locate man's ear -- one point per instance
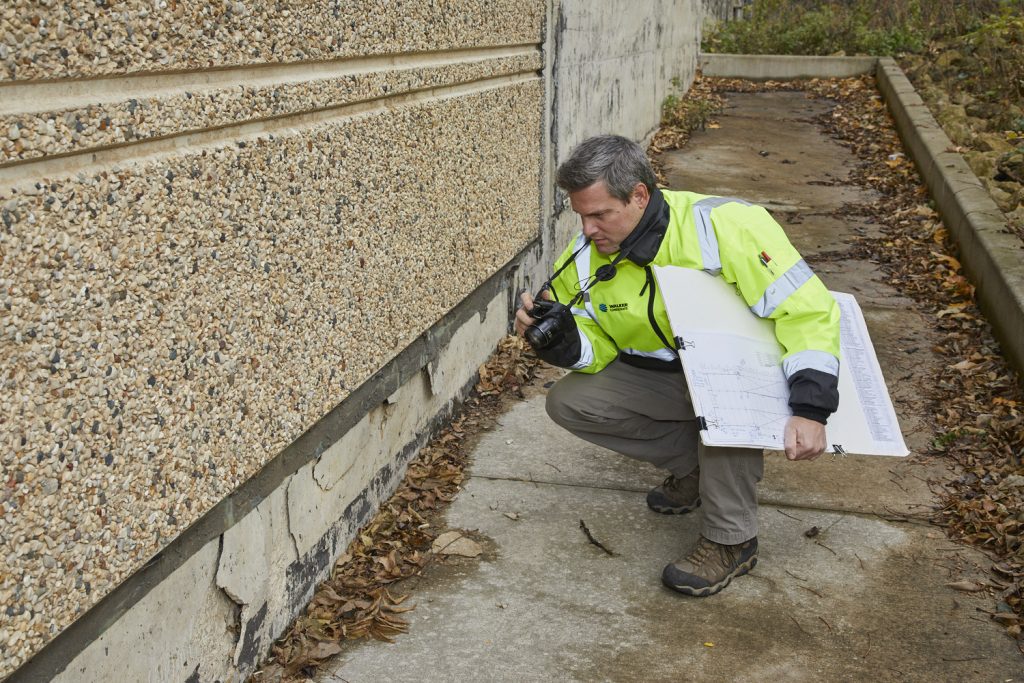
(641, 195)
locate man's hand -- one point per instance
(804, 439)
(523, 319)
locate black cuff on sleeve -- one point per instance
(810, 413)
(813, 394)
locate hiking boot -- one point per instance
(710, 567)
(676, 495)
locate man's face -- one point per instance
(607, 221)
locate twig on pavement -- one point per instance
(593, 540)
(826, 548)
(811, 590)
(798, 624)
(798, 578)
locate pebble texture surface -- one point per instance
(169, 324)
(37, 134)
(46, 39)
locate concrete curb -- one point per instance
(783, 67)
(992, 258)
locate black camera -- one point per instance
(550, 325)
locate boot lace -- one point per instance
(674, 483)
(701, 553)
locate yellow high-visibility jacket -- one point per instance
(625, 317)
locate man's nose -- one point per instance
(589, 227)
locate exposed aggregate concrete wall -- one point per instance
(172, 326)
(219, 221)
(32, 134)
(174, 319)
(86, 38)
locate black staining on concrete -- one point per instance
(251, 651)
(62, 650)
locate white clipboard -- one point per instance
(733, 367)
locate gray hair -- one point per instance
(618, 161)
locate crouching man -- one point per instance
(604, 319)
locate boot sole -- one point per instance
(669, 510)
(714, 588)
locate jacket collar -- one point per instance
(642, 245)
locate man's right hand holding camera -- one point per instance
(550, 328)
(523, 318)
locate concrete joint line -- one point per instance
(23, 174)
(887, 516)
(38, 96)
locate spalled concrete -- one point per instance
(864, 597)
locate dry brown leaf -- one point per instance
(966, 586)
(324, 649)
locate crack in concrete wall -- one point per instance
(288, 516)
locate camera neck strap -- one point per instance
(602, 274)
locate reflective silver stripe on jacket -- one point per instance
(586, 352)
(660, 354)
(583, 273)
(811, 360)
(706, 232)
(779, 291)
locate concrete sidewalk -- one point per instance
(864, 599)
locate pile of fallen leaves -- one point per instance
(360, 599)
(977, 399)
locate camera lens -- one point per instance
(542, 334)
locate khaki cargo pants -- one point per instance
(647, 415)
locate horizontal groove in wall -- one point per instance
(23, 174)
(22, 98)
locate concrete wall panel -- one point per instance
(467, 349)
(172, 325)
(218, 225)
(51, 40)
(169, 634)
(252, 571)
(615, 63)
(53, 118)
(318, 498)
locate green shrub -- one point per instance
(998, 45)
(877, 27)
(688, 114)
